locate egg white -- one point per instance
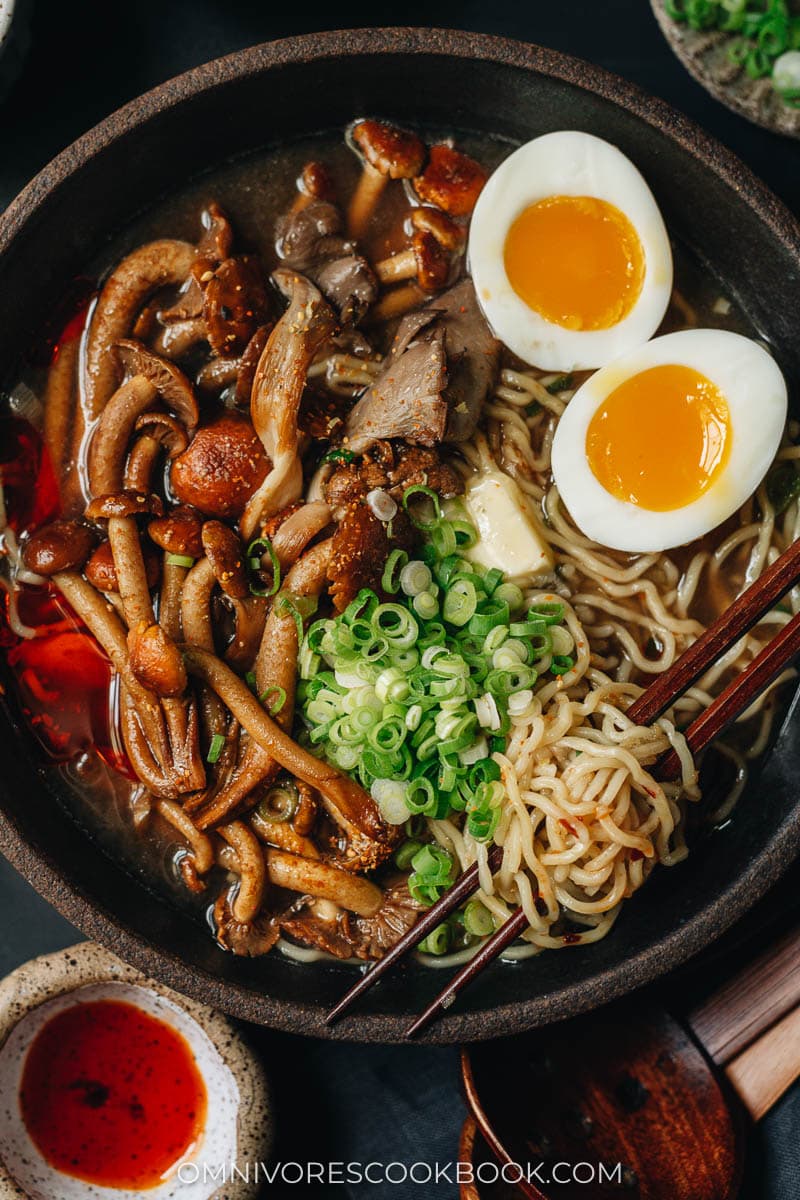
(754, 388)
(566, 163)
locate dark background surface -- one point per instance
(78, 61)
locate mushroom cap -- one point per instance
(235, 304)
(127, 503)
(169, 381)
(315, 181)
(433, 261)
(60, 546)
(156, 661)
(179, 532)
(389, 150)
(225, 553)
(451, 181)
(434, 221)
(102, 574)
(165, 429)
(223, 465)
(217, 239)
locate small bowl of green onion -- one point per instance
(746, 53)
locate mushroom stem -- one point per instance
(371, 186)
(151, 267)
(315, 878)
(173, 578)
(251, 867)
(281, 835)
(109, 443)
(396, 303)
(196, 605)
(131, 575)
(62, 419)
(179, 337)
(344, 793)
(399, 266)
(201, 846)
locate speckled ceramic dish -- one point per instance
(238, 1123)
(705, 56)
(463, 82)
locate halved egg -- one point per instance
(569, 254)
(666, 442)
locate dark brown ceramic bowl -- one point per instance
(460, 81)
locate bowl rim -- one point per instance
(52, 881)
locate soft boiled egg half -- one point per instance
(569, 254)
(669, 440)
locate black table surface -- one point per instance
(76, 63)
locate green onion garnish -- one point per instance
(437, 942)
(215, 749)
(255, 554)
(180, 560)
(477, 919)
(339, 455)
(419, 489)
(277, 704)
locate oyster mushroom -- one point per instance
(387, 153)
(451, 181)
(159, 264)
(277, 390)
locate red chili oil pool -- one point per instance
(112, 1095)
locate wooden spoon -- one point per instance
(662, 1106)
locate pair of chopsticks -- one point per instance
(745, 611)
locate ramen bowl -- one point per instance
(712, 205)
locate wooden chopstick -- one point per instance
(464, 886)
(731, 703)
(743, 613)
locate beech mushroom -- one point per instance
(146, 270)
(169, 381)
(430, 255)
(225, 553)
(234, 304)
(157, 431)
(60, 546)
(451, 181)
(222, 468)
(314, 183)
(102, 574)
(179, 532)
(388, 153)
(156, 661)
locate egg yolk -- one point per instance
(576, 260)
(661, 438)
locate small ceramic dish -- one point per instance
(705, 56)
(236, 1126)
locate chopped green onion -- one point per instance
(180, 560)
(419, 489)
(477, 919)
(338, 456)
(437, 942)
(255, 554)
(561, 383)
(393, 571)
(277, 704)
(405, 853)
(279, 805)
(215, 749)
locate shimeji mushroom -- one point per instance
(451, 181)
(429, 258)
(387, 153)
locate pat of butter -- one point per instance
(507, 537)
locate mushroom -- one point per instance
(312, 242)
(60, 546)
(312, 877)
(146, 270)
(179, 337)
(168, 380)
(225, 553)
(124, 504)
(234, 304)
(179, 532)
(397, 303)
(120, 509)
(314, 183)
(451, 181)
(222, 467)
(251, 870)
(429, 258)
(275, 667)
(156, 661)
(102, 574)
(277, 391)
(157, 431)
(388, 153)
(300, 527)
